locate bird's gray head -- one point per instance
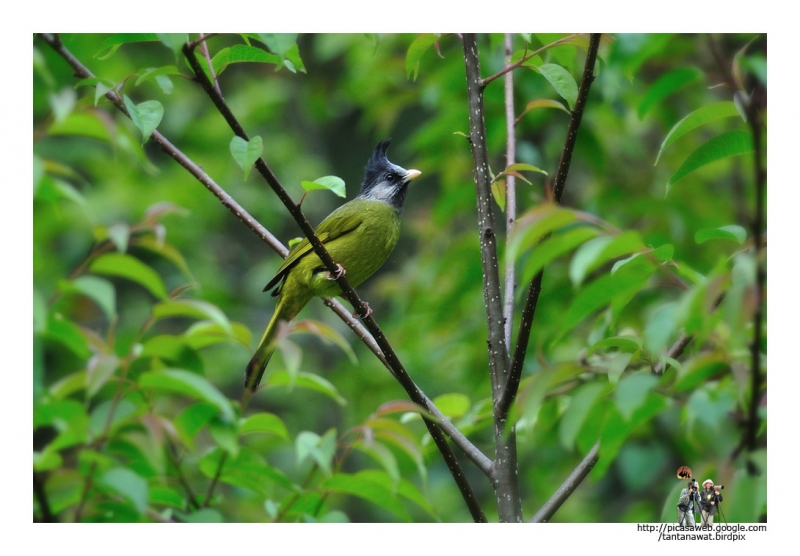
(384, 181)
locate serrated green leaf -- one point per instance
(725, 145)
(383, 456)
(191, 421)
(699, 369)
(699, 117)
(126, 266)
(320, 449)
(734, 232)
(562, 81)
(225, 435)
(246, 153)
(418, 47)
(599, 251)
(188, 384)
(332, 183)
(205, 333)
(665, 86)
(542, 103)
(145, 115)
(174, 41)
(165, 496)
(535, 224)
(67, 334)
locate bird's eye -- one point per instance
(390, 177)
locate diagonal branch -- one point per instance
(568, 486)
(535, 287)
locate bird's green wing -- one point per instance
(334, 226)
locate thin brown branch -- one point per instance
(535, 287)
(213, 484)
(568, 486)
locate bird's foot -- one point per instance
(340, 271)
(363, 312)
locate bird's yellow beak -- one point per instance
(412, 174)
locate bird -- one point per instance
(359, 235)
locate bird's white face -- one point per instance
(392, 181)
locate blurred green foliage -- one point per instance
(147, 291)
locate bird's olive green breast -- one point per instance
(361, 251)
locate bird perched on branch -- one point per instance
(360, 235)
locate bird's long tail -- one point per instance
(266, 347)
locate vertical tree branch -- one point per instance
(535, 287)
(505, 479)
(511, 194)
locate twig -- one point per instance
(535, 287)
(210, 65)
(515, 65)
(511, 195)
(215, 480)
(568, 486)
(505, 479)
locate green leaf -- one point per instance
(173, 41)
(666, 85)
(165, 496)
(415, 51)
(225, 435)
(188, 384)
(205, 333)
(631, 343)
(332, 183)
(62, 103)
(193, 308)
(617, 366)
(282, 44)
(126, 266)
(128, 484)
(452, 405)
(562, 81)
(499, 193)
(111, 44)
(598, 251)
(383, 456)
(370, 490)
(240, 53)
(580, 405)
(699, 369)
(554, 247)
(67, 334)
(542, 103)
(725, 145)
(82, 124)
(191, 421)
(628, 280)
(146, 115)
(535, 224)
(699, 117)
(326, 333)
(632, 391)
(95, 288)
(734, 232)
(99, 369)
(264, 422)
(306, 380)
(246, 153)
(320, 449)
(167, 251)
(152, 73)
